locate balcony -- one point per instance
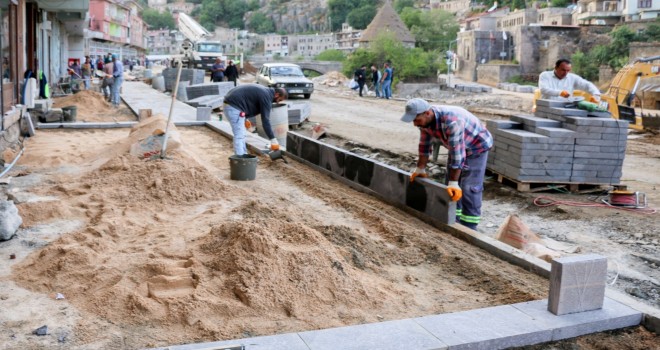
(600, 13)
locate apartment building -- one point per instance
(313, 44)
(115, 27)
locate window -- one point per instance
(644, 4)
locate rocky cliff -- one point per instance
(295, 16)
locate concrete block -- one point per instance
(612, 315)
(521, 136)
(181, 91)
(600, 142)
(599, 114)
(535, 121)
(204, 113)
(539, 152)
(525, 89)
(494, 124)
(577, 283)
(550, 103)
(598, 161)
(403, 334)
(554, 132)
(496, 327)
(567, 111)
(289, 341)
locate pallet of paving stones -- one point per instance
(525, 186)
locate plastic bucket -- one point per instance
(243, 168)
(279, 121)
(69, 113)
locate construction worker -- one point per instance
(560, 83)
(468, 143)
(248, 100)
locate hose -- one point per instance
(544, 201)
(12, 163)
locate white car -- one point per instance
(285, 75)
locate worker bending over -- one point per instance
(468, 143)
(248, 100)
(561, 83)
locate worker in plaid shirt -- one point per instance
(468, 143)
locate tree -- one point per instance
(410, 16)
(338, 10)
(584, 66)
(261, 24)
(360, 18)
(158, 20)
(560, 3)
(434, 29)
(331, 55)
(399, 5)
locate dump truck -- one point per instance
(197, 51)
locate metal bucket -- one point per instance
(69, 113)
(243, 168)
(279, 121)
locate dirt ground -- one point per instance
(120, 253)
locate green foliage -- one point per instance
(360, 18)
(408, 63)
(433, 30)
(253, 5)
(583, 66)
(518, 4)
(560, 3)
(158, 20)
(261, 24)
(338, 10)
(652, 32)
(410, 16)
(522, 80)
(399, 5)
(331, 55)
(228, 12)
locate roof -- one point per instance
(387, 20)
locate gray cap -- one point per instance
(414, 107)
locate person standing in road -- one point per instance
(108, 80)
(560, 82)
(248, 100)
(386, 81)
(231, 72)
(361, 77)
(468, 143)
(118, 75)
(375, 79)
(86, 71)
(217, 71)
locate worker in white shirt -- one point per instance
(560, 83)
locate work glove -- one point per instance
(454, 191)
(421, 172)
(594, 99)
(274, 145)
(564, 94)
(248, 125)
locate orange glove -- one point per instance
(274, 145)
(248, 125)
(564, 94)
(594, 99)
(454, 191)
(421, 172)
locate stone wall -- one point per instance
(492, 74)
(644, 50)
(10, 131)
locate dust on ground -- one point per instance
(170, 251)
(91, 106)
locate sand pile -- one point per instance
(331, 79)
(88, 102)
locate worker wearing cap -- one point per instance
(560, 83)
(248, 100)
(468, 143)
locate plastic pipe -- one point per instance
(12, 163)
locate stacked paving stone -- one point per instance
(516, 87)
(194, 76)
(559, 145)
(298, 112)
(473, 88)
(209, 94)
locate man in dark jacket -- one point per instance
(247, 101)
(231, 72)
(361, 77)
(217, 71)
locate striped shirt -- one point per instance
(459, 131)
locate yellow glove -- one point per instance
(421, 172)
(454, 191)
(594, 99)
(274, 145)
(564, 94)
(248, 125)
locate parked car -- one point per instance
(285, 75)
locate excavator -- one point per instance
(623, 95)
